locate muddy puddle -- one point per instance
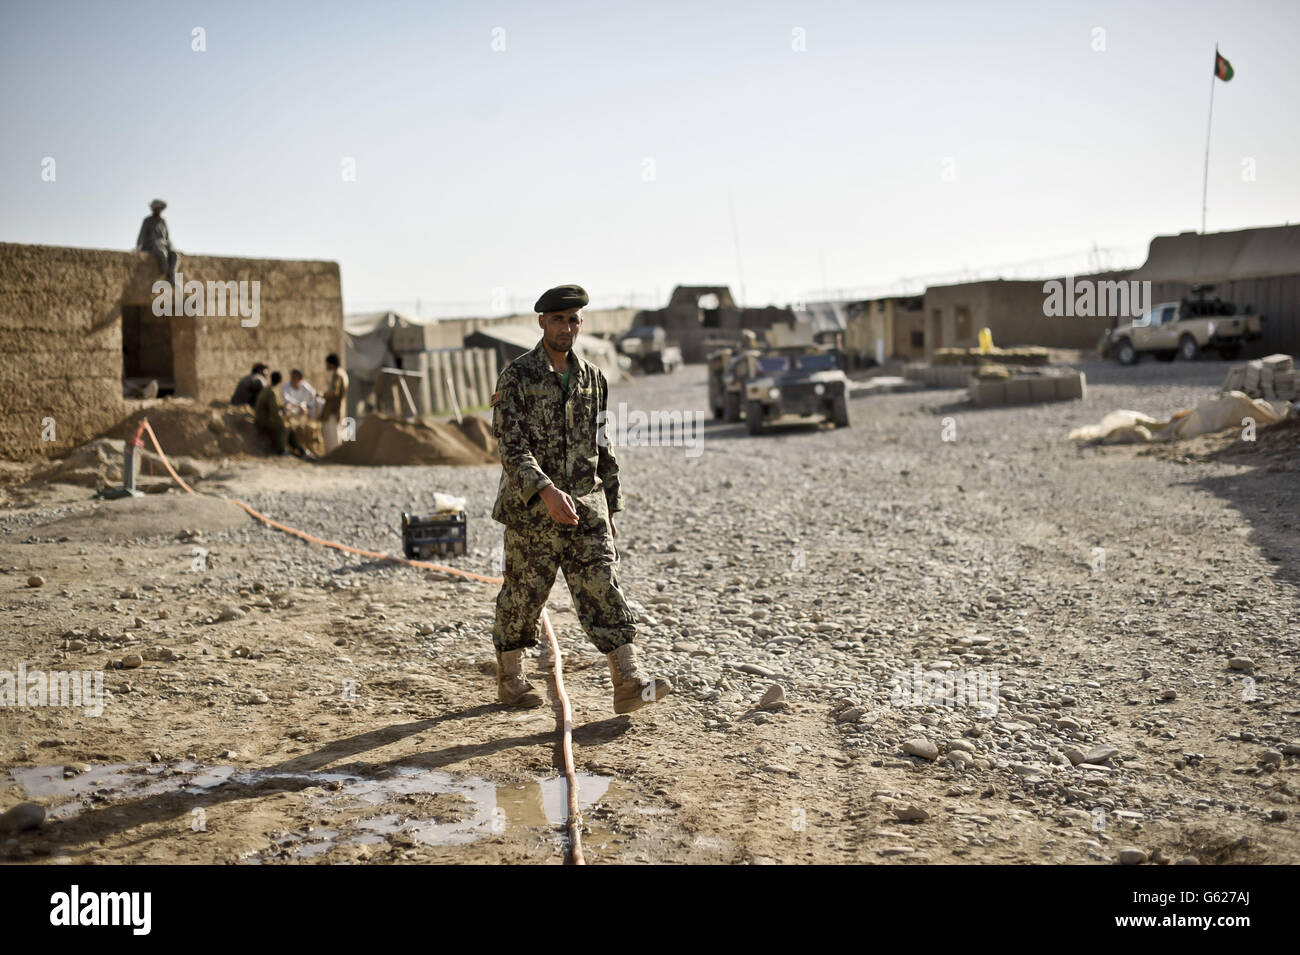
(408, 805)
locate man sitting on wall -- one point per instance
(249, 386)
(268, 412)
(154, 239)
(299, 397)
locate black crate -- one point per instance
(438, 534)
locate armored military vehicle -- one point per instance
(799, 381)
(649, 350)
(729, 369)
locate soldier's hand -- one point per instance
(559, 505)
(613, 531)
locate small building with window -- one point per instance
(79, 332)
(699, 318)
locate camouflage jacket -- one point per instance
(547, 437)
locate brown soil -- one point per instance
(384, 440)
(1276, 447)
(479, 431)
(186, 428)
(192, 435)
(279, 680)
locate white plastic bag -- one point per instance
(447, 503)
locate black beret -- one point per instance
(562, 298)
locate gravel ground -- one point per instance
(1125, 626)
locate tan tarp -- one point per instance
(524, 338)
(1216, 414)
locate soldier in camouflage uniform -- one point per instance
(558, 494)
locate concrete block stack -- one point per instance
(938, 376)
(1270, 378)
(1028, 389)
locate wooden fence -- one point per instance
(470, 372)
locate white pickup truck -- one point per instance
(1183, 330)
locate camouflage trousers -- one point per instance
(534, 551)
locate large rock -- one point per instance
(922, 747)
(1099, 754)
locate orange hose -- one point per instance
(375, 555)
(566, 712)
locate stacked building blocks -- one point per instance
(1028, 389)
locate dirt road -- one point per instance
(994, 647)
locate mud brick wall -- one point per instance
(60, 345)
(61, 335)
(1012, 311)
(300, 322)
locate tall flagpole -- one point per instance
(1205, 182)
(735, 241)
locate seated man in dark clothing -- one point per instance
(155, 240)
(249, 386)
(268, 412)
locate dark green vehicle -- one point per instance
(799, 382)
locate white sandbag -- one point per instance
(1219, 414)
(1215, 414)
(1120, 427)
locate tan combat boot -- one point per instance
(512, 688)
(633, 688)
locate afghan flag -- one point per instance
(1222, 68)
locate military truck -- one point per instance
(649, 350)
(800, 381)
(729, 368)
(718, 362)
(1183, 330)
(727, 377)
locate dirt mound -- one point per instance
(479, 430)
(1276, 447)
(385, 440)
(219, 430)
(187, 428)
(99, 463)
(1277, 444)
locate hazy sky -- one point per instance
(602, 144)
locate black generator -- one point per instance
(438, 534)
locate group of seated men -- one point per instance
(277, 405)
